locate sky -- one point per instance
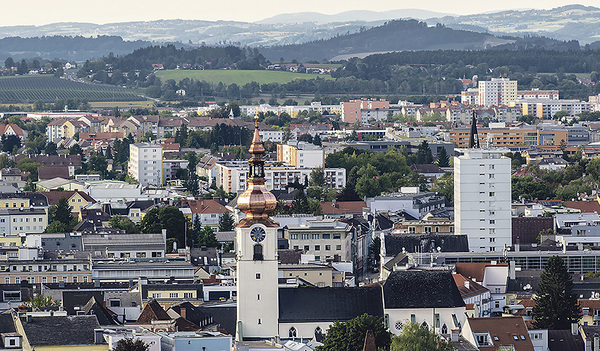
(109, 11)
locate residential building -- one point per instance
(410, 200)
(301, 155)
(14, 130)
(152, 268)
(59, 184)
(45, 271)
(325, 239)
(537, 94)
(76, 200)
(124, 246)
(145, 163)
(209, 212)
(482, 205)
(351, 110)
(547, 108)
(170, 168)
(510, 137)
(497, 91)
(72, 162)
(491, 275)
(498, 333)
(111, 191)
(475, 294)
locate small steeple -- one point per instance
(256, 202)
(474, 139)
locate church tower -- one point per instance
(256, 250)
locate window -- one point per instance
(437, 320)
(492, 240)
(304, 236)
(291, 333)
(259, 321)
(257, 275)
(412, 230)
(482, 340)
(326, 236)
(338, 247)
(317, 247)
(522, 337)
(156, 295)
(174, 295)
(306, 248)
(188, 295)
(258, 253)
(515, 337)
(315, 236)
(337, 236)
(294, 236)
(327, 247)
(492, 221)
(114, 303)
(413, 318)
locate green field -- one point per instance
(239, 77)
(29, 89)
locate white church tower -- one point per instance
(257, 262)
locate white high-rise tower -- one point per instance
(482, 199)
(256, 249)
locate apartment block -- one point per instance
(507, 137)
(351, 110)
(145, 163)
(301, 155)
(547, 108)
(498, 91)
(482, 199)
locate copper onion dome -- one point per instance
(256, 202)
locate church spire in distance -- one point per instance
(256, 202)
(474, 139)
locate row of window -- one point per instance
(173, 295)
(318, 247)
(137, 254)
(32, 280)
(45, 268)
(315, 236)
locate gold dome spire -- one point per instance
(256, 202)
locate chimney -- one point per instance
(467, 284)
(574, 328)
(183, 312)
(511, 270)
(454, 336)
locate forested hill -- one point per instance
(397, 35)
(65, 47)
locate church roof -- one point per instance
(421, 289)
(328, 304)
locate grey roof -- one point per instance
(99, 242)
(57, 331)
(225, 236)
(421, 289)
(104, 316)
(328, 304)
(425, 243)
(35, 199)
(564, 340)
(224, 316)
(75, 300)
(6, 324)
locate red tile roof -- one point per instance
(152, 312)
(55, 195)
(206, 206)
(474, 269)
(583, 206)
(14, 127)
(53, 172)
(503, 331)
(473, 289)
(342, 207)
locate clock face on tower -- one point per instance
(257, 234)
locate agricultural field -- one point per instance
(239, 77)
(29, 89)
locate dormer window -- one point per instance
(483, 339)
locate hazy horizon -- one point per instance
(40, 13)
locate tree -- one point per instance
(443, 160)
(10, 142)
(130, 344)
(39, 300)
(556, 305)
(317, 140)
(50, 148)
(226, 222)
(416, 338)
(123, 223)
(350, 335)
(445, 186)
(300, 203)
(151, 222)
(424, 155)
(317, 177)
(63, 212)
(9, 63)
(207, 237)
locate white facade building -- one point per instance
(482, 199)
(145, 163)
(498, 91)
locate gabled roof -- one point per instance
(583, 206)
(473, 289)
(427, 168)
(475, 269)
(564, 340)
(15, 128)
(104, 316)
(193, 314)
(152, 312)
(54, 196)
(421, 289)
(75, 300)
(342, 207)
(59, 331)
(206, 206)
(328, 304)
(503, 331)
(53, 172)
